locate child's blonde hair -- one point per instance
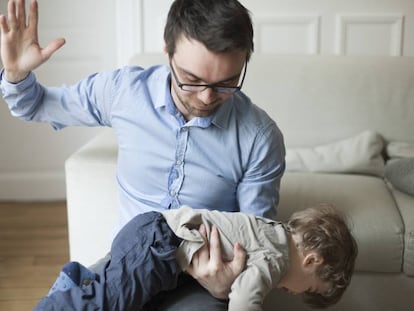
(324, 230)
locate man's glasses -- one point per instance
(216, 87)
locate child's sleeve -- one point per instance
(249, 289)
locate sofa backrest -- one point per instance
(321, 99)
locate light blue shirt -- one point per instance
(230, 161)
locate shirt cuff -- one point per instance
(11, 88)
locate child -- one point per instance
(313, 255)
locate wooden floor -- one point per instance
(33, 248)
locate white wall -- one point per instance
(32, 155)
(102, 34)
(366, 27)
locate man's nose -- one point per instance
(207, 96)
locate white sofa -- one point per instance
(340, 116)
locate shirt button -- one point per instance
(178, 162)
(172, 193)
(184, 129)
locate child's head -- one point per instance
(323, 231)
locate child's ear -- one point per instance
(312, 259)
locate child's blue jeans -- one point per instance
(142, 264)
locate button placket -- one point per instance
(175, 186)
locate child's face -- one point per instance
(302, 276)
(310, 284)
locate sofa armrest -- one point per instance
(92, 198)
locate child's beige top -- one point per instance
(264, 240)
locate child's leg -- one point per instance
(142, 264)
(76, 298)
(73, 274)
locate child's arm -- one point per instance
(249, 289)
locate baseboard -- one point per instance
(32, 186)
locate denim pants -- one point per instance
(142, 265)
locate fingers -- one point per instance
(204, 252)
(52, 47)
(34, 14)
(21, 13)
(4, 27)
(11, 12)
(201, 257)
(209, 269)
(203, 231)
(215, 247)
(239, 260)
(16, 10)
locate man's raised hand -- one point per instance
(20, 49)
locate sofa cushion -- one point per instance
(405, 205)
(400, 149)
(400, 173)
(357, 154)
(374, 218)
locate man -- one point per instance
(186, 133)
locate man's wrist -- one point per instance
(14, 77)
(220, 294)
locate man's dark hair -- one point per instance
(221, 25)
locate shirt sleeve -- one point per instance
(249, 290)
(258, 191)
(86, 103)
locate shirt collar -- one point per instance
(164, 99)
(222, 116)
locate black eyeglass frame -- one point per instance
(216, 87)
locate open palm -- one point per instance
(20, 49)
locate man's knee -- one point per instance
(190, 296)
